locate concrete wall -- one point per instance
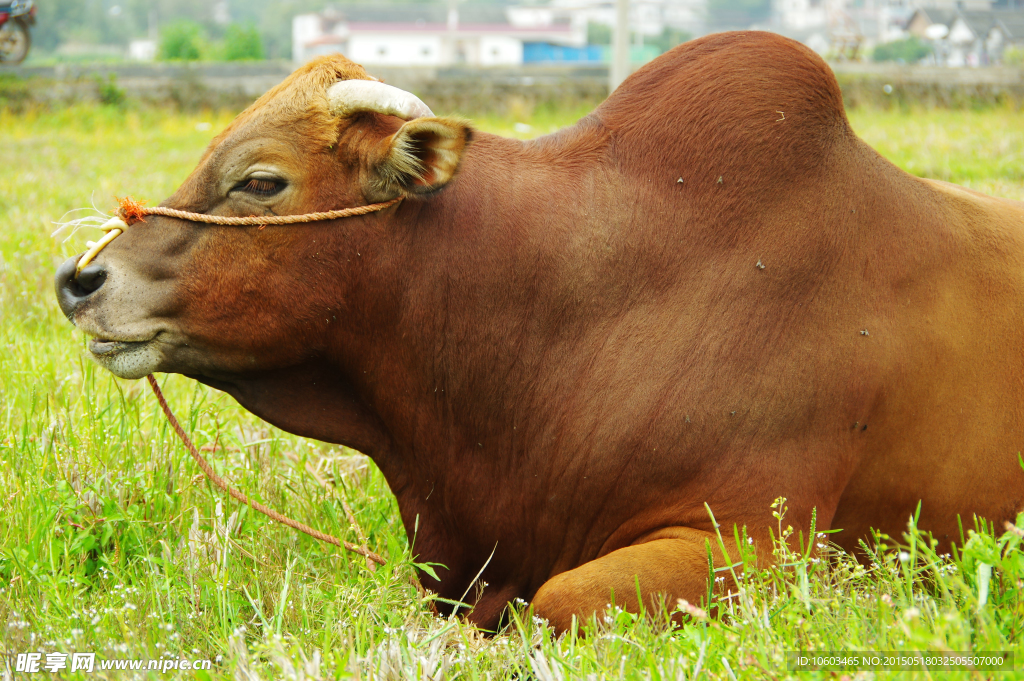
(448, 89)
(469, 90)
(889, 85)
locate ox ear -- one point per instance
(423, 155)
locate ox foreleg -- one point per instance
(665, 567)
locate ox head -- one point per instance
(219, 302)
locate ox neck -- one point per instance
(491, 284)
(497, 277)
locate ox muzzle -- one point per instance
(72, 291)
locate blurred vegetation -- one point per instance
(669, 38)
(599, 34)
(117, 22)
(15, 93)
(109, 92)
(182, 40)
(907, 51)
(242, 43)
(188, 41)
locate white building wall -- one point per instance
(498, 45)
(801, 14)
(530, 16)
(323, 48)
(383, 49)
(142, 50)
(960, 33)
(688, 15)
(305, 28)
(500, 51)
(648, 17)
(461, 49)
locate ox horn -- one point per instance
(349, 96)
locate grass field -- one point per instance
(111, 541)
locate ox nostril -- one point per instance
(91, 278)
(72, 291)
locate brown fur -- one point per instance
(563, 355)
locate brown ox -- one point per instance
(707, 291)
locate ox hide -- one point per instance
(708, 293)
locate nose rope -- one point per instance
(131, 211)
(224, 486)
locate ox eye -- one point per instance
(258, 186)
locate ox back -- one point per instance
(737, 300)
(708, 291)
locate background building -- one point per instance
(431, 35)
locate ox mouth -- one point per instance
(126, 359)
(103, 347)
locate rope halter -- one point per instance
(132, 211)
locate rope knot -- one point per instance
(130, 210)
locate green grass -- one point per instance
(983, 150)
(112, 542)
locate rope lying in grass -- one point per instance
(132, 211)
(269, 512)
